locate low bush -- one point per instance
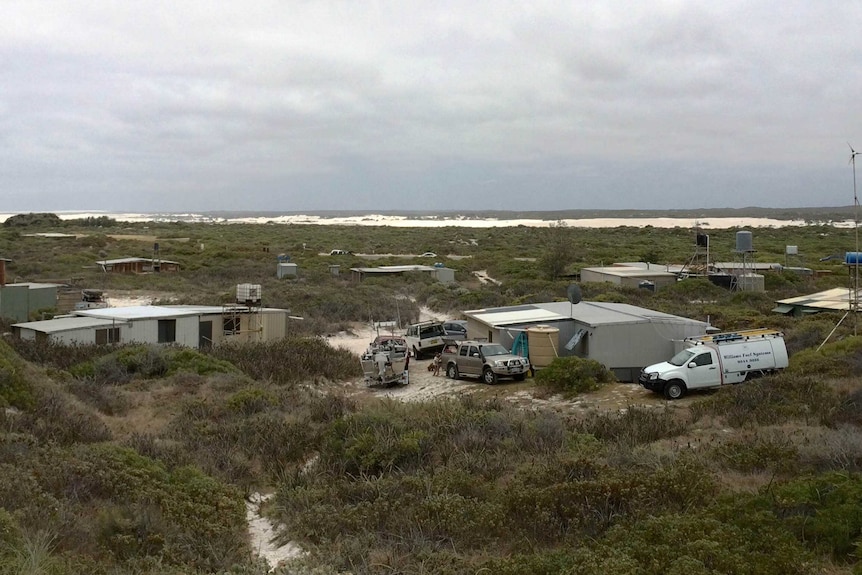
(634, 426)
(694, 544)
(770, 400)
(106, 399)
(49, 353)
(57, 419)
(15, 389)
(771, 452)
(574, 375)
(822, 511)
(291, 360)
(835, 359)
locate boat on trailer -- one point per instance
(386, 361)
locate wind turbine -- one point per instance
(852, 297)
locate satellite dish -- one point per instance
(574, 293)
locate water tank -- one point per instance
(285, 270)
(744, 242)
(853, 258)
(248, 294)
(751, 283)
(544, 344)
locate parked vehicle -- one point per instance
(455, 329)
(428, 255)
(425, 338)
(386, 361)
(714, 360)
(490, 361)
(339, 253)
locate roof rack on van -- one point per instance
(761, 332)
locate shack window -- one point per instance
(231, 325)
(107, 335)
(167, 330)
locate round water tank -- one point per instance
(853, 258)
(544, 344)
(744, 242)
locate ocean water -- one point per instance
(442, 220)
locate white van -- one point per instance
(718, 359)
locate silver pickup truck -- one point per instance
(490, 361)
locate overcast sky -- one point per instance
(443, 105)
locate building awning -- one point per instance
(576, 339)
(784, 308)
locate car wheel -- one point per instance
(674, 389)
(452, 371)
(489, 377)
(416, 353)
(520, 377)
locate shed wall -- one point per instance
(595, 276)
(42, 298)
(14, 303)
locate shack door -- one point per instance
(205, 338)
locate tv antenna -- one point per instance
(854, 302)
(853, 291)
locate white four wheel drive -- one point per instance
(714, 360)
(425, 338)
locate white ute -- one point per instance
(717, 359)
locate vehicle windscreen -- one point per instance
(492, 349)
(682, 357)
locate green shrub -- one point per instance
(759, 453)
(108, 400)
(770, 400)
(251, 400)
(291, 360)
(15, 390)
(824, 511)
(55, 418)
(836, 359)
(573, 375)
(694, 544)
(633, 426)
(185, 359)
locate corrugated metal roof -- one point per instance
(502, 316)
(590, 313)
(759, 266)
(61, 324)
(163, 311)
(629, 271)
(133, 260)
(34, 285)
(837, 299)
(148, 312)
(395, 269)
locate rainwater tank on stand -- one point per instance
(544, 345)
(744, 242)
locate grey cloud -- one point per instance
(306, 105)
